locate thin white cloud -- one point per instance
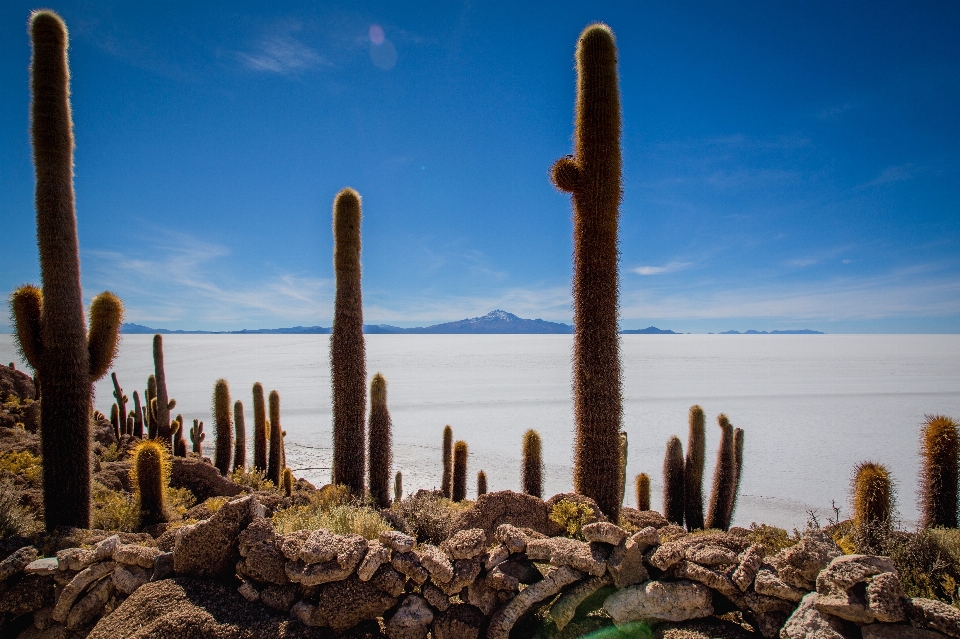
(890, 175)
(670, 267)
(282, 53)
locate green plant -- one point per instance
(446, 482)
(150, 474)
(197, 436)
(593, 176)
(277, 457)
(673, 483)
(110, 454)
(121, 399)
(23, 464)
(398, 486)
(213, 504)
(532, 476)
(150, 408)
(571, 516)
(240, 442)
(380, 442)
(643, 491)
(252, 477)
(163, 404)
(287, 482)
(724, 476)
(342, 519)
(873, 496)
(481, 484)
(772, 538)
(939, 473)
(137, 416)
(222, 426)
(49, 325)
(693, 469)
(428, 515)
(114, 509)
(459, 471)
(260, 434)
(348, 367)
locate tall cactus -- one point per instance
(737, 471)
(259, 429)
(149, 410)
(137, 416)
(277, 460)
(398, 486)
(287, 482)
(162, 416)
(872, 503)
(673, 482)
(197, 436)
(593, 176)
(50, 326)
(938, 486)
(446, 482)
(693, 469)
(347, 351)
(150, 475)
(643, 491)
(532, 474)
(121, 398)
(481, 484)
(240, 441)
(115, 422)
(724, 476)
(380, 442)
(179, 443)
(223, 427)
(459, 471)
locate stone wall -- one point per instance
(469, 586)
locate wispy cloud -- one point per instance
(891, 174)
(281, 52)
(669, 267)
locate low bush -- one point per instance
(24, 465)
(251, 477)
(428, 515)
(341, 519)
(15, 519)
(772, 538)
(571, 517)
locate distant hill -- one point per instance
(138, 329)
(650, 330)
(804, 331)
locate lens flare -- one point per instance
(376, 34)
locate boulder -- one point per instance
(77, 585)
(377, 555)
(808, 622)
(465, 544)
(262, 560)
(435, 596)
(641, 519)
(128, 578)
(389, 580)
(91, 606)
(397, 541)
(504, 619)
(625, 564)
(408, 564)
(603, 531)
(17, 561)
(436, 563)
(465, 572)
(323, 546)
(768, 583)
(211, 548)
(561, 551)
(746, 571)
(840, 590)
(135, 555)
(201, 478)
(934, 615)
(800, 564)
(513, 539)
(411, 620)
(707, 576)
(459, 621)
(279, 597)
(711, 555)
(291, 543)
(505, 507)
(659, 601)
(565, 607)
(21, 595)
(343, 604)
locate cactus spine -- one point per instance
(50, 324)
(259, 429)
(150, 473)
(724, 476)
(223, 427)
(121, 399)
(532, 476)
(737, 471)
(137, 416)
(115, 421)
(380, 442)
(240, 443)
(459, 471)
(162, 415)
(398, 486)
(197, 436)
(347, 351)
(643, 491)
(872, 502)
(446, 482)
(938, 486)
(481, 484)
(693, 469)
(673, 482)
(287, 482)
(593, 177)
(277, 458)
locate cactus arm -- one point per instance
(565, 174)
(106, 316)
(26, 309)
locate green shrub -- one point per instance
(253, 477)
(772, 538)
(14, 518)
(24, 464)
(114, 510)
(428, 515)
(341, 520)
(571, 517)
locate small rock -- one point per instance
(105, 548)
(343, 604)
(935, 615)
(389, 580)
(646, 538)
(397, 541)
(768, 583)
(279, 597)
(248, 592)
(565, 607)
(840, 591)
(465, 572)
(436, 563)
(504, 619)
(408, 564)
(706, 576)
(497, 556)
(459, 621)
(77, 585)
(499, 580)
(411, 620)
(90, 607)
(323, 546)
(711, 555)
(746, 572)
(625, 564)
(659, 601)
(481, 594)
(605, 532)
(466, 544)
(885, 598)
(512, 537)
(807, 622)
(75, 559)
(667, 555)
(17, 561)
(292, 543)
(45, 566)
(210, 548)
(561, 551)
(435, 596)
(262, 559)
(377, 555)
(800, 564)
(641, 519)
(128, 578)
(134, 555)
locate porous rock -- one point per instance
(75, 559)
(459, 621)
(377, 555)
(210, 548)
(136, 555)
(291, 543)
(768, 583)
(807, 622)
(641, 519)
(498, 555)
(45, 566)
(565, 607)
(88, 608)
(279, 597)
(436, 563)
(603, 531)
(389, 580)
(408, 564)
(898, 631)
(397, 541)
(800, 564)
(562, 551)
(481, 593)
(435, 596)
(201, 478)
(746, 572)
(625, 564)
(646, 537)
(711, 555)
(411, 620)
(504, 619)
(513, 538)
(323, 546)
(27, 594)
(935, 615)
(505, 507)
(17, 561)
(839, 593)
(77, 585)
(465, 544)
(667, 555)
(128, 578)
(262, 559)
(707, 576)
(659, 601)
(465, 572)
(343, 604)
(520, 568)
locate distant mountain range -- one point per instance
(804, 331)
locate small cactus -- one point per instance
(939, 474)
(150, 407)
(693, 470)
(276, 463)
(179, 443)
(197, 436)
(260, 429)
(115, 421)
(481, 483)
(532, 476)
(724, 476)
(673, 482)
(137, 416)
(287, 482)
(130, 423)
(223, 428)
(737, 471)
(459, 471)
(150, 474)
(643, 491)
(120, 397)
(446, 482)
(240, 442)
(380, 442)
(872, 502)
(398, 486)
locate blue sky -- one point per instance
(786, 164)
